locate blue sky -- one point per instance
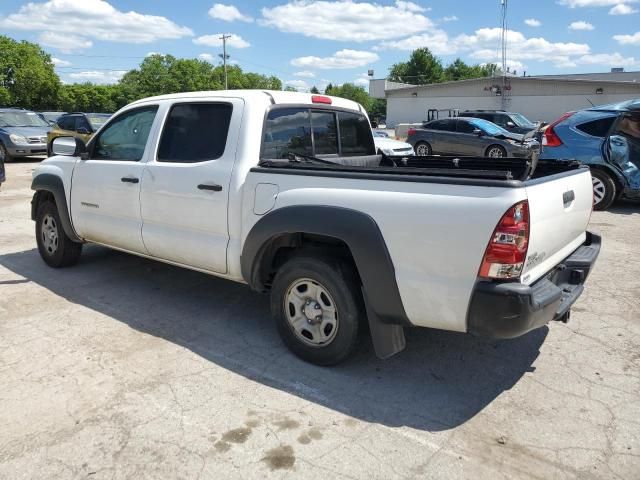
(307, 42)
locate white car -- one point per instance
(283, 191)
(391, 147)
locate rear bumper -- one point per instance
(508, 310)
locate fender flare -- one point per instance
(54, 185)
(357, 230)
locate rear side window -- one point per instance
(67, 123)
(355, 135)
(437, 125)
(597, 128)
(287, 130)
(195, 132)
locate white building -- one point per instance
(538, 98)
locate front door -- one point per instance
(186, 187)
(105, 197)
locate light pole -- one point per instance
(224, 58)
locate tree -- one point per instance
(378, 108)
(459, 70)
(27, 77)
(421, 69)
(289, 88)
(352, 92)
(314, 89)
(328, 89)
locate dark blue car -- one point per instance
(607, 138)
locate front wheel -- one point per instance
(56, 249)
(496, 151)
(317, 304)
(423, 149)
(604, 189)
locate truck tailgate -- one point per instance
(559, 209)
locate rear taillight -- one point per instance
(550, 138)
(507, 249)
(411, 131)
(320, 99)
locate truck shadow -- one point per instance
(440, 381)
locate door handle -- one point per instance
(130, 179)
(213, 187)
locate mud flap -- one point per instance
(388, 339)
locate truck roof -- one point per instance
(275, 96)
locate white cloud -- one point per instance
(593, 3)
(622, 9)
(228, 13)
(299, 84)
(436, 40)
(101, 77)
(90, 19)
(305, 73)
(214, 40)
(612, 59)
(533, 22)
(60, 63)
(347, 20)
(66, 43)
(451, 18)
(343, 59)
(580, 25)
(628, 39)
(207, 57)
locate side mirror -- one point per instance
(68, 146)
(478, 132)
(83, 131)
(511, 124)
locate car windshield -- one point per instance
(97, 120)
(522, 121)
(488, 127)
(21, 119)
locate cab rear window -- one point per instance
(316, 132)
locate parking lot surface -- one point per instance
(122, 367)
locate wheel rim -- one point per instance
(599, 190)
(311, 312)
(495, 152)
(49, 234)
(422, 150)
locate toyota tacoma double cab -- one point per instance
(284, 192)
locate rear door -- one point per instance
(185, 189)
(559, 210)
(443, 136)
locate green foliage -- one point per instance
(378, 108)
(27, 77)
(352, 92)
(87, 97)
(314, 89)
(424, 68)
(289, 88)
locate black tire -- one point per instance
(4, 154)
(604, 189)
(497, 150)
(340, 281)
(63, 252)
(423, 145)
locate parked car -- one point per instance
(50, 117)
(229, 183)
(391, 147)
(470, 136)
(81, 125)
(606, 139)
(22, 133)
(511, 121)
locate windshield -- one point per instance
(98, 120)
(522, 121)
(488, 127)
(21, 119)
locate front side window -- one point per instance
(325, 133)
(355, 135)
(465, 127)
(288, 130)
(195, 132)
(126, 137)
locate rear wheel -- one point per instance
(317, 305)
(423, 149)
(496, 151)
(4, 154)
(56, 249)
(604, 189)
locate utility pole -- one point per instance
(503, 41)
(224, 58)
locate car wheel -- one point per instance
(423, 149)
(604, 189)
(496, 151)
(317, 304)
(56, 249)
(4, 154)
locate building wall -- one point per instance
(537, 100)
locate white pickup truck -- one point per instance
(284, 192)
